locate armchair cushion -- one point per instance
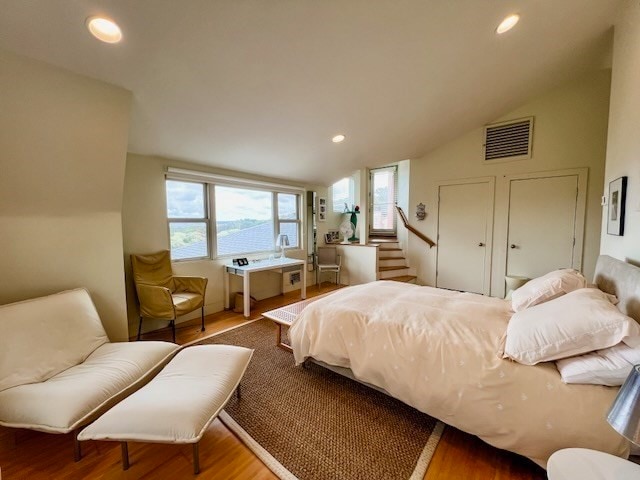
(42, 337)
(77, 395)
(186, 302)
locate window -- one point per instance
(289, 217)
(384, 194)
(243, 219)
(341, 193)
(188, 219)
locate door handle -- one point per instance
(481, 244)
(513, 245)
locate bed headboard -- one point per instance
(621, 279)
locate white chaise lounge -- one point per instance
(58, 369)
(179, 404)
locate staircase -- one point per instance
(392, 264)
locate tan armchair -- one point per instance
(161, 294)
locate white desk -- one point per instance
(281, 264)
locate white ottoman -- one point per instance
(584, 464)
(178, 405)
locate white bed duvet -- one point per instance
(437, 351)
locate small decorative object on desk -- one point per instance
(354, 222)
(282, 242)
(421, 213)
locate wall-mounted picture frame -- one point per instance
(322, 209)
(617, 201)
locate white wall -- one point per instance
(144, 224)
(404, 187)
(570, 131)
(63, 141)
(359, 264)
(623, 149)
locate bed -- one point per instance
(437, 350)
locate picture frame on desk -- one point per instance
(332, 236)
(241, 262)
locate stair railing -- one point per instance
(418, 234)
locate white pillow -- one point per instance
(542, 289)
(610, 366)
(579, 322)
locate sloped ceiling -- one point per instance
(262, 85)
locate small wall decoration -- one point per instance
(322, 209)
(421, 212)
(617, 200)
(335, 235)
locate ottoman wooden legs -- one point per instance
(196, 457)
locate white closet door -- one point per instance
(542, 225)
(465, 220)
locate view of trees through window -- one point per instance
(186, 203)
(245, 219)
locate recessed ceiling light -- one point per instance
(104, 30)
(507, 24)
(338, 138)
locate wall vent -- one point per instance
(508, 141)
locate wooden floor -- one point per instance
(34, 455)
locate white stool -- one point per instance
(584, 464)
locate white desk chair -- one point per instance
(328, 261)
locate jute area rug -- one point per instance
(313, 424)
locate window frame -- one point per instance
(277, 220)
(379, 231)
(206, 219)
(210, 213)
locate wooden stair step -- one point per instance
(389, 249)
(403, 278)
(397, 267)
(383, 240)
(392, 258)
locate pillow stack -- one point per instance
(557, 318)
(545, 288)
